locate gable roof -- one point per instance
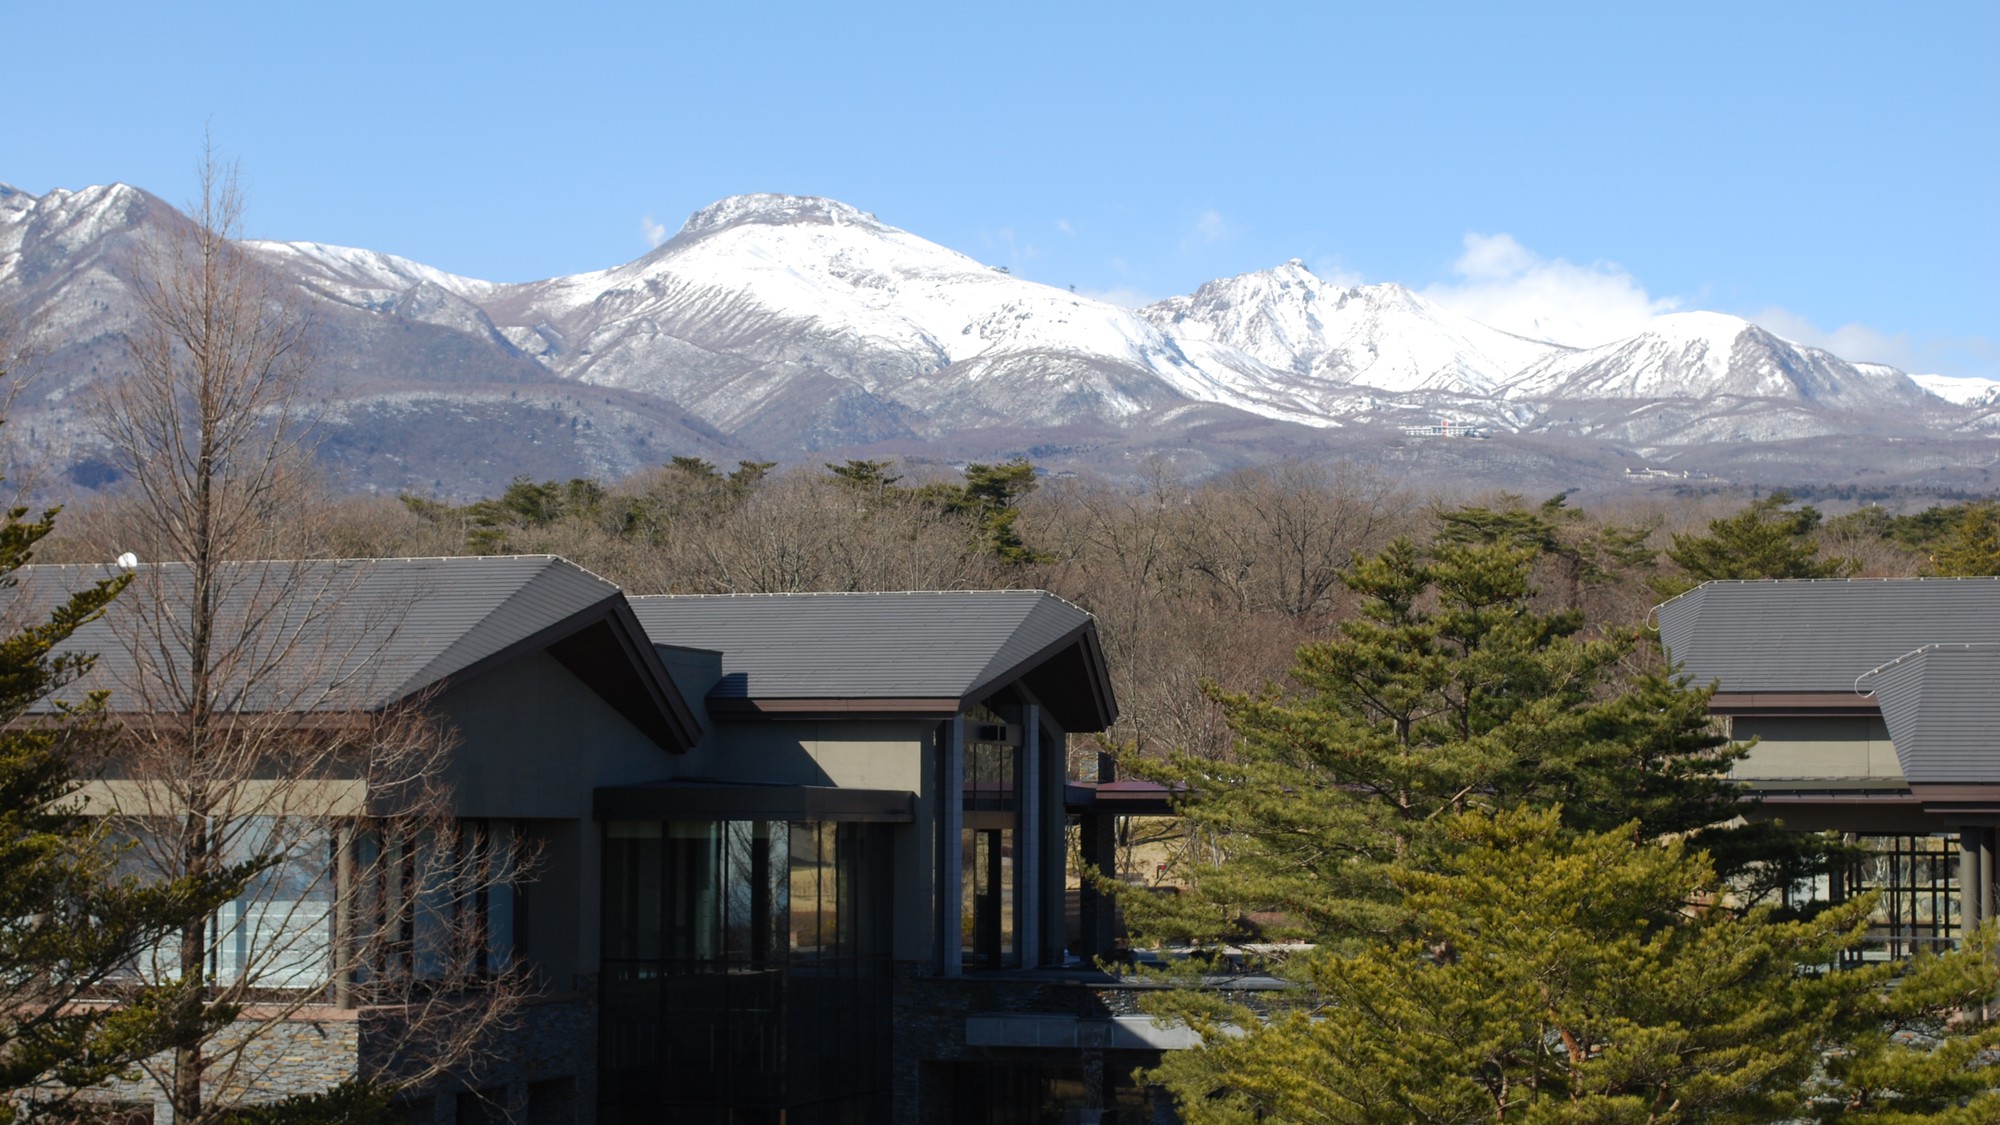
(342, 635)
(915, 652)
(1818, 635)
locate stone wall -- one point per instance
(542, 1071)
(314, 1049)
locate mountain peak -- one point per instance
(1717, 330)
(771, 209)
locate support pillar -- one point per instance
(1971, 904)
(1097, 930)
(1029, 848)
(345, 895)
(951, 853)
(1985, 873)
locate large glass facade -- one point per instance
(431, 906)
(423, 906)
(745, 973)
(1915, 879)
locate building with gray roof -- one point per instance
(776, 836)
(1874, 706)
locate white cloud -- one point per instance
(1063, 226)
(1208, 227)
(1013, 251)
(1122, 296)
(1856, 343)
(1973, 356)
(1335, 272)
(1505, 284)
(655, 232)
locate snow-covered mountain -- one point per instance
(1382, 337)
(1961, 390)
(789, 326)
(1702, 355)
(802, 319)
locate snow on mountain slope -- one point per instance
(1960, 390)
(359, 277)
(1702, 355)
(783, 325)
(798, 286)
(1330, 336)
(50, 237)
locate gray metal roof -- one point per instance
(956, 646)
(1799, 635)
(333, 635)
(1943, 712)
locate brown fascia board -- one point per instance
(1979, 800)
(1797, 703)
(677, 731)
(739, 707)
(276, 720)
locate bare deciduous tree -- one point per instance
(254, 728)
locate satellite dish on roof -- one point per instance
(128, 560)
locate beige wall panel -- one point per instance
(1831, 748)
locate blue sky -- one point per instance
(1828, 169)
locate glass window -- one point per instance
(278, 933)
(773, 990)
(433, 906)
(632, 887)
(987, 885)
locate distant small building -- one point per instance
(1447, 428)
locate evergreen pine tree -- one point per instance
(1448, 690)
(1764, 540)
(1552, 976)
(1971, 546)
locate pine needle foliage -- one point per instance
(1548, 976)
(1448, 690)
(1971, 546)
(1767, 539)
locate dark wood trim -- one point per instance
(693, 800)
(737, 707)
(1797, 703)
(1098, 675)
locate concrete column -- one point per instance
(1985, 873)
(1970, 901)
(1096, 923)
(345, 897)
(951, 855)
(1028, 865)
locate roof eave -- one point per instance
(659, 711)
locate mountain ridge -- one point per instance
(795, 327)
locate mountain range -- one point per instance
(797, 329)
